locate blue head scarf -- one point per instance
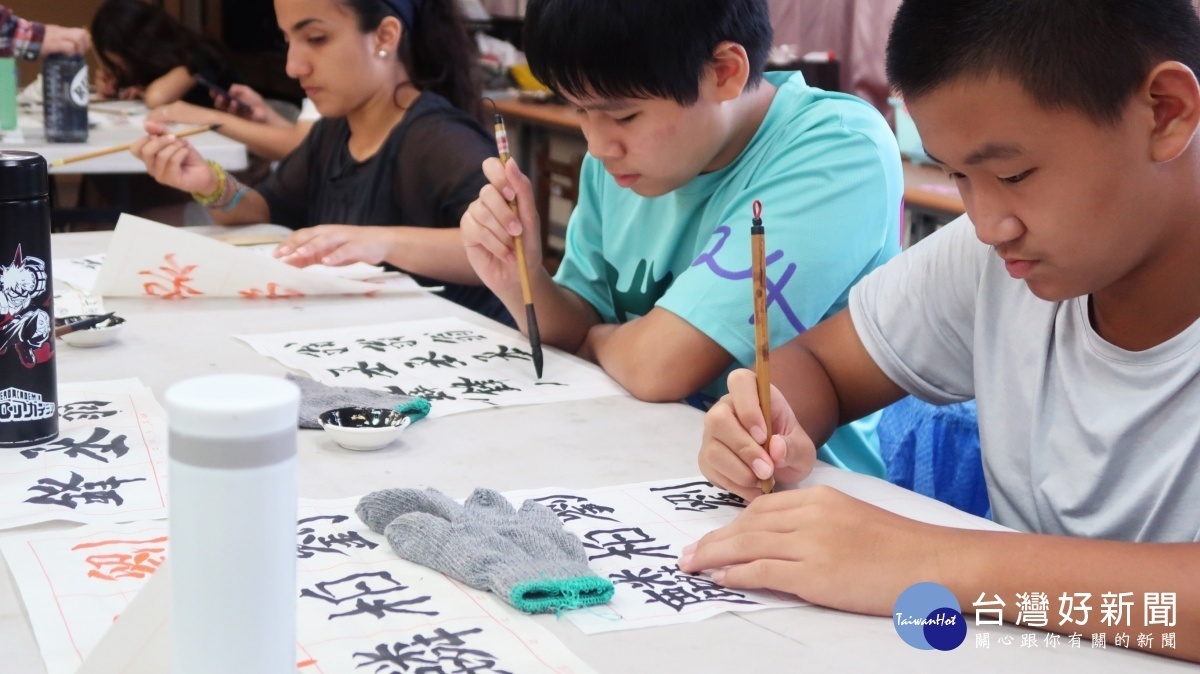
(406, 10)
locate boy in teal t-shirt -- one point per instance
(684, 134)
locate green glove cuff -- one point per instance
(417, 408)
(547, 595)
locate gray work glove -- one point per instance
(526, 557)
(316, 398)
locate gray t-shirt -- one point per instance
(1079, 437)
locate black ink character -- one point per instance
(318, 349)
(383, 344)
(380, 370)
(443, 653)
(434, 360)
(357, 586)
(487, 387)
(671, 587)
(698, 497)
(423, 392)
(311, 542)
(88, 410)
(455, 337)
(504, 353)
(73, 448)
(571, 508)
(59, 493)
(624, 543)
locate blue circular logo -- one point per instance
(927, 617)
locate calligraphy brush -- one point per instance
(68, 328)
(762, 336)
(123, 148)
(535, 337)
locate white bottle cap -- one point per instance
(232, 406)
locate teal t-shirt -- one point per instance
(827, 170)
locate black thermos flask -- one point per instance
(65, 98)
(28, 381)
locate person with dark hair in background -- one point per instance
(387, 173)
(146, 53)
(1066, 302)
(685, 132)
(24, 39)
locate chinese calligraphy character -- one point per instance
(430, 394)
(138, 559)
(88, 410)
(571, 508)
(360, 585)
(434, 360)
(1075, 639)
(89, 448)
(382, 344)
(443, 653)
(311, 542)
(673, 588)
(1032, 608)
(978, 605)
(455, 337)
(697, 498)
(1114, 606)
(487, 387)
(1028, 641)
(1121, 640)
(1052, 640)
(66, 493)
(1145, 641)
(1067, 607)
(1099, 640)
(318, 349)
(1168, 640)
(1159, 609)
(273, 292)
(505, 354)
(178, 275)
(983, 640)
(380, 370)
(624, 543)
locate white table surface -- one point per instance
(111, 131)
(582, 444)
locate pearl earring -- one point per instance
(382, 53)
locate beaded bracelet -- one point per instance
(208, 200)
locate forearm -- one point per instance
(971, 563)
(564, 318)
(169, 88)
(265, 140)
(633, 354)
(434, 252)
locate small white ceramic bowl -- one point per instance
(97, 335)
(364, 428)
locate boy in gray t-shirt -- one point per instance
(1067, 303)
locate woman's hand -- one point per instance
(336, 245)
(173, 161)
(69, 41)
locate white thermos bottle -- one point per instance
(233, 524)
